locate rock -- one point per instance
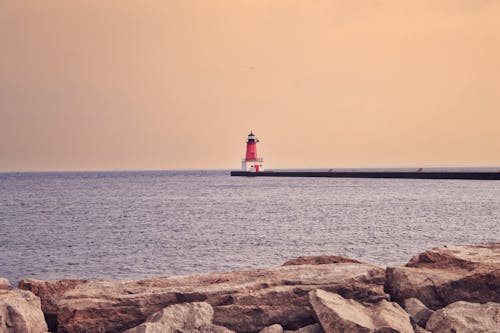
(320, 260)
(49, 291)
(243, 301)
(314, 328)
(337, 314)
(390, 317)
(5, 284)
(20, 311)
(216, 329)
(276, 328)
(441, 276)
(250, 312)
(464, 317)
(288, 303)
(419, 313)
(181, 318)
(418, 329)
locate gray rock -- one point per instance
(464, 317)
(337, 314)
(181, 318)
(20, 311)
(419, 313)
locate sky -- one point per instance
(178, 84)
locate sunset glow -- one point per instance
(107, 85)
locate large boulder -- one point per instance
(20, 311)
(337, 314)
(243, 301)
(49, 292)
(181, 318)
(464, 317)
(287, 303)
(441, 276)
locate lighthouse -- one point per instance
(251, 162)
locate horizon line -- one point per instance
(267, 169)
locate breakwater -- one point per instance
(375, 174)
(446, 289)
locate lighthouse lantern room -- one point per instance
(251, 162)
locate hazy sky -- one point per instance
(166, 84)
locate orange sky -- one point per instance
(95, 85)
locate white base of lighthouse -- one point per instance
(253, 166)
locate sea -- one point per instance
(136, 224)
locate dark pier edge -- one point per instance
(374, 174)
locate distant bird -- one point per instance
(420, 170)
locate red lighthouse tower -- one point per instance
(251, 162)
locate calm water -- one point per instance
(138, 224)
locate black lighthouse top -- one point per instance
(252, 138)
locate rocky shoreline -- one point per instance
(447, 289)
